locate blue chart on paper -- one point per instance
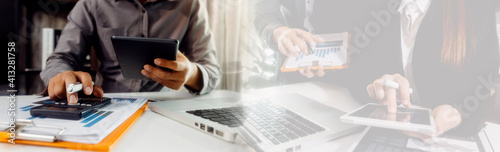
(92, 118)
(27, 108)
(320, 53)
(89, 119)
(330, 54)
(131, 100)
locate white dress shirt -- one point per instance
(412, 13)
(309, 9)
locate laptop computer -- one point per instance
(283, 123)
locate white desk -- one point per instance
(153, 132)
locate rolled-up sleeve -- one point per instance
(74, 43)
(200, 48)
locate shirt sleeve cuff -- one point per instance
(268, 33)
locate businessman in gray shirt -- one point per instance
(93, 22)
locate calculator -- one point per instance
(63, 110)
(84, 102)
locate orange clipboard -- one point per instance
(315, 64)
(105, 145)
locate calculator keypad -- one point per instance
(82, 102)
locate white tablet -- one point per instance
(406, 119)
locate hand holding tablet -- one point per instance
(135, 52)
(158, 60)
(179, 73)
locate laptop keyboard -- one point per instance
(276, 123)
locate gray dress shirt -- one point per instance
(93, 22)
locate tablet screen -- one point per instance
(135, 52)
(408, 115)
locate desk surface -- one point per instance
(153, 132)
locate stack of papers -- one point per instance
(492, 132)
(443, 144)
(488, 138)
(92, 128)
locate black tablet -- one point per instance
(135, 52)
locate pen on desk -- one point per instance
(392, 84)
(310, 49)
(75, 87)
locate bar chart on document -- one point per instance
(92, 128)
(331, 54)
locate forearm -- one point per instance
(74, 43)
(54, 67)
(200, 50)
(195, 80)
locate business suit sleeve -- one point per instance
(74, 43)
(198, 46)
(476, 105)
(268, 17)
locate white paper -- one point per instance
(90, 129)
(326, 56)
(493, 132)
(442, 145)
